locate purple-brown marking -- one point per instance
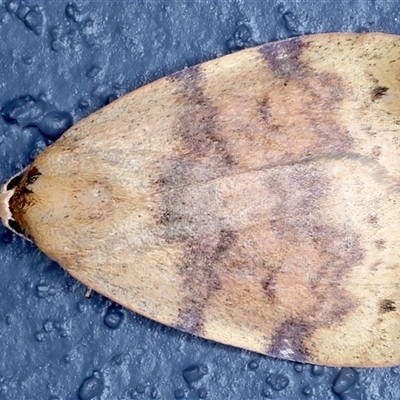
(201, 277)
(192, 199)
(288, 340)
(320, 91)
(201, 156)
(199, 143)
(284, 58)
(334, 251)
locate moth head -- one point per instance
(7, 190)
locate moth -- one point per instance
(253, 200)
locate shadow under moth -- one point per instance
(253, 200)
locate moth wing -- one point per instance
(251, 200)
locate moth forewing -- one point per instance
(251, 200)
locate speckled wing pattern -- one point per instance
(252, 200)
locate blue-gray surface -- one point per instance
(61, 61)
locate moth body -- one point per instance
(252, 200)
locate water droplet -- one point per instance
(140, 351)
(21, 11)
(242, 35)
(307, 391)
(114, 317)
(63, 333)
(298, 367)
(42, 290)
(140, 388)
(83, 104)
(93, 71)
(395, 370)
(118, 359)
(253, 364)
(48, 326)
(23, 110)
(33, 20)
(91, 387)
(54, 123)
(241, 39)
(180, 394)
(317, 370)
(194, 373)
(202, 393)
(7, 237)
(292, 24)
(12, 6)
(278, 382)
(344, 380)
(72, 12)
(266, 393)
(81, 306)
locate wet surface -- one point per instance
(60, 62)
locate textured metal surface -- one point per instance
(60, 62)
